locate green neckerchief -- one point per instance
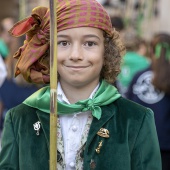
(105, 95)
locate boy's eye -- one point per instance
(63, 43)
(89, 43)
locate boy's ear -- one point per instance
(22, 27)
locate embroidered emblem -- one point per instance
(37, 127)
(145, 91)
(103, 133)
(99, 147)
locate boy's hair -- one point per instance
(160, 54)
(114, 50)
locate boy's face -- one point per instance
(80, 56)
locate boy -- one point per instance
(97, 128)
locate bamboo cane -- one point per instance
(53, 85)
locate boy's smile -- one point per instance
(80, 56)
(76, 67)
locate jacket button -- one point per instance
(92, 164)
(72, 164)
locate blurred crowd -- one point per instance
(12, 90)
(143, 79)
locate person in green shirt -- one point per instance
(4, 51)
(133, 61)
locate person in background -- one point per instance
(117, 23)
(4, 51)
(151, 88)
(97, 128)
(3, 71)
(8, 44)
(6, 41)
(12, 91)
(134, 60)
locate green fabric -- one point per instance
(132, 63)
(158, 50)
(105, 95)
(132, 145)
(4, 51)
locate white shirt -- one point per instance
(72, 127)
(3, 71)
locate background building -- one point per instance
(146, 17)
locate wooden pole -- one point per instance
(53, 85)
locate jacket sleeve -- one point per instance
(146, 152)
(9, 152)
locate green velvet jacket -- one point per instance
(132, 145)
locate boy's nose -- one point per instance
(76, 53)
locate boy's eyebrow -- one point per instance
(86, 36)
(91, 36)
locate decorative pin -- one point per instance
(103, 133)
(37, 127)
(99, 147)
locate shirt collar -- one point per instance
(62, 98)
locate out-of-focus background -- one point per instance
(148, 16)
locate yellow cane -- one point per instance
(53, 85)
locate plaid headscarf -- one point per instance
(33, 56)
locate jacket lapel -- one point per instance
(107, 113)
(45, 122)
(44, 118)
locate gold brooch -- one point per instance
(103, 133)
(99, 147)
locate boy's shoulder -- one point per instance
(22, 107)
(129, 103)
(128, 108)
(21, 111)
